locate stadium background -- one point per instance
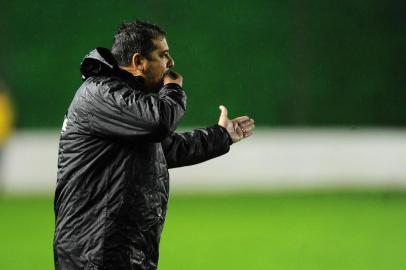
(321, 186)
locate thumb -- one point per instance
(224, 111)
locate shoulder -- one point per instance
(109, 85)
(110, 90)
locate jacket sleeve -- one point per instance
(122, 112)
(189, 148)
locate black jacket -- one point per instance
(116, 146)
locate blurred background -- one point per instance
(321, 183)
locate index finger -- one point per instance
(241, 119)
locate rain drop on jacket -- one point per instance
(116, 146)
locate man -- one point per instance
(116, 146)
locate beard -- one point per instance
(153, 82)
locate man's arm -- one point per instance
(206, 143)
(189, 148)
(119, 111)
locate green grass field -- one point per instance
(286, 230)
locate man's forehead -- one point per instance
(161, 44)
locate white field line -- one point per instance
(274, 158)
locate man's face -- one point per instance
(158, 62)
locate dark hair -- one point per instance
(134, 37)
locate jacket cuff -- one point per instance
(224, 130)
(173, 86)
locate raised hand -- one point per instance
(239, 128)
(171, 76)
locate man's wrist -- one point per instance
(230, 140)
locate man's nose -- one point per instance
(171, 62)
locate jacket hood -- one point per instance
(98, 62)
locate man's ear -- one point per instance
(138, 62)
